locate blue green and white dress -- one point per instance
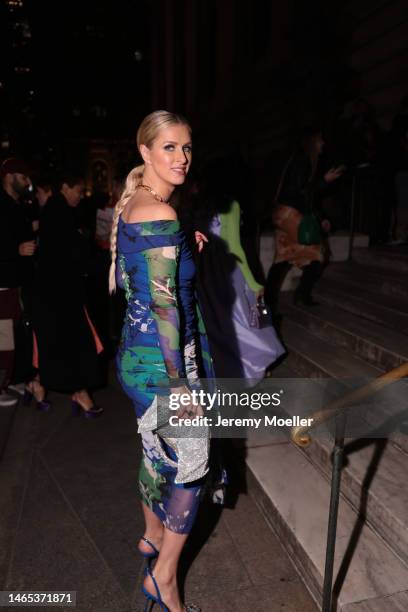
(163, 341)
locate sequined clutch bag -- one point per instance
(190, 443)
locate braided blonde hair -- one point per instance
(146, 134)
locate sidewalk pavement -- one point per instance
(71, 519)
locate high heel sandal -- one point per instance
(43, 405)
(157, 599)
(149, 555)
(91, 413)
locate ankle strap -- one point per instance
(150, 544)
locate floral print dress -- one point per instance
(163, 341)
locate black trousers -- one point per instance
(276, 275)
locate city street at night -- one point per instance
(204, 207)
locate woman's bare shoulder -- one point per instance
(141, 208)
(164, 212)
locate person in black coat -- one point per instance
(17, 248)
(68, 345)
(301, 188)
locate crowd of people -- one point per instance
(51, 341)
(162, 259)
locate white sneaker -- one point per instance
(7, 400)
(18, 388)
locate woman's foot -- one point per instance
(83, 399)
(36, 389)
(83, 404)
(168, 591)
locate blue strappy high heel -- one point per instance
(157, 599)
(150, 598)
(149, 556)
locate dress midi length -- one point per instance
(162, 342)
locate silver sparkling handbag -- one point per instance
(191, 443)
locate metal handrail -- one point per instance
(301, 437)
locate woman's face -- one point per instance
(170, 154)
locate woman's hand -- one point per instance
(333, 174)
(26, 249)
(200, 239)
(187, 408)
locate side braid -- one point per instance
(133, 179)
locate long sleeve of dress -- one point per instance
(230, 232)
(189, 321)
(162, 274)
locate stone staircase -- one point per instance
(359, 330)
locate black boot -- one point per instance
(310, 275)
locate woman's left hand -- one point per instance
(200, 239)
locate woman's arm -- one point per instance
(162, 275)
(162, 271)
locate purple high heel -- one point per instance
(42, 405)
(79, 410)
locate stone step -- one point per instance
(352, 335)
(390, 259)
(386, 493)
(375, 281)
(363, 338)
(313, 357)
(339, 244)
(374, 483)
(392, 313)
(294, 498)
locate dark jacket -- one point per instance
(298, 188)
(15, 228)
(63, 251)
(67, 352)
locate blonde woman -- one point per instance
(160, 338)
